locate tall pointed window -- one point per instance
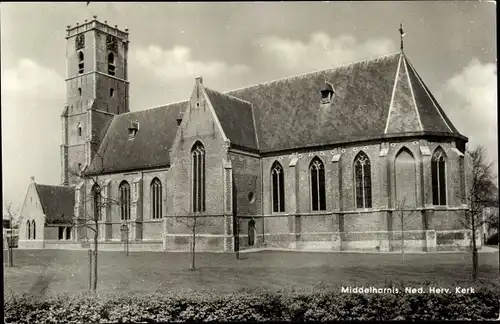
(198, 162)
(80, 63)
(438, 170)
(124, 200)
(156, 198)
(318, 194)
(363, 181)
(96, 199)
(28, 230)
(278, 184)
(111, 64)
(33, 228)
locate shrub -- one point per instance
(208, 306)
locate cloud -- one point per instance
(473, 97)
(30, 79)
(32, 101)
(177, 63)
(321, 51)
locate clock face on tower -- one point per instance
(111, 43)
(79, 41)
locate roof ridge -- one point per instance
(41, 184)
(413, 94)
(396, 78)
(166, 106)
(315, 72)
(229, 95)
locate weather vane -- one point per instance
(402, 33)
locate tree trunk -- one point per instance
(474, 250)
(237, 239)
(192, 268)
(474, 255)
(96, 236)
(11, 252)
(402, 246)
(10, 243)
(402, 238)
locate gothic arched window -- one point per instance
(156, 200)
(33, 228)
(111, 64)
(438, 170)
(278, 187)
(28, 230)
(198, 163)
(363, 181)
(318, 194)
(96, 199)
(124, 200)
(80, 63)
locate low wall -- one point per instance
(30, 244)
(152, 245)
(204, 242)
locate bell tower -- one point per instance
(97, 88)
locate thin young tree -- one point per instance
(480, 190)
(404, 213)
(194, 221)
(13, 219)
(90, 219)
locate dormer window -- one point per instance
(179, 118)
(327, 93)
(111, 64)
(80, 63)
(133, 128)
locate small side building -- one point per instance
(46, 217)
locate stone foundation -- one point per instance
(376, 241)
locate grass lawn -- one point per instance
(49, 272)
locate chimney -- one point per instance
(199, 80)
(179, 118)
(32, 179)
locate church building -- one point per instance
(341, 159)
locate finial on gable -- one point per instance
(402, 33)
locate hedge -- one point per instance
(249, 306)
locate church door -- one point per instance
(251, 232)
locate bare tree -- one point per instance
(13, 219)
(480, 190)
(403, 212)
(90, 218)
(193, 221)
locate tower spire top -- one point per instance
(402, 34)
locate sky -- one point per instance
(451, 44)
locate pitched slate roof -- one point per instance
(57, 203)
(236, 118)
(288, 113)
(150, 146)
(431, 114)
(372, 99)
